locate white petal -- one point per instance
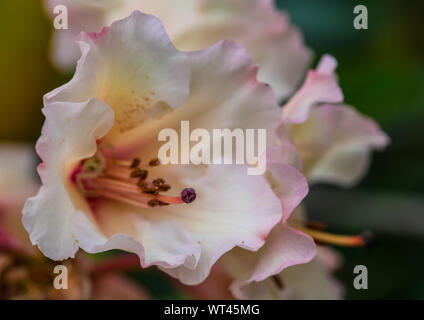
(335, 144)
(224, 94)
(289, 184)
(320, 86)
(69, 135)
(231, 209)
(284, 247)
(162, 243)
(133, 67)
(283, 60)
(309, 281)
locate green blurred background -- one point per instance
(381, 71)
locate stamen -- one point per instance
(139, 173)
(135, 163)
(154, 162)
(156, 202)
(150, 190)
(363, 240)
(125, 181)
(120, 174)
(125, 199)
(161, 185)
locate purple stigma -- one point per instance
(188, 195)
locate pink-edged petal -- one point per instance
(320, 86)
(133, 67)
(335, 144)
(284, 150)
(226, 93)
(282, 58)
(69, 135)
(309, 281)
(331, 258)
(275, 45)
(289, 185)
(232, 209)
(162, 243)
(284, 247)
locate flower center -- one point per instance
(127, 181)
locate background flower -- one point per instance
(273, 43)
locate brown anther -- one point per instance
(156, 202)
(158, 182)
(144, 174)
(154, 162)
(135, 173)
(135, 163)
(139, 173)
(141, 184)
(153, 202)
(150, 190)
(164, 187)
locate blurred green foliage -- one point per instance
(381, 71)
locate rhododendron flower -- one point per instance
(334, 144)
(103, 187)
(25, 273)
(334, 141)
(273, 43)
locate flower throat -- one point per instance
(126, 181)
